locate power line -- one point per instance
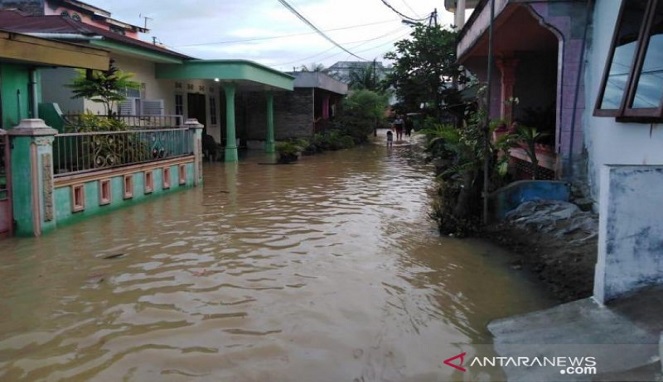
(401, 14)
(410, 8)
(281, 36)
(359, 43)
(321, 33)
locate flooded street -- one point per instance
(323, 270)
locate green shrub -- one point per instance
(346, 142)
(288, 151)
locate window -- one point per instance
(632, 86)
(179, 104)
(212, 110)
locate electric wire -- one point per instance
(321, 33)
(367, 49)
(281, 36)
(360, 43)
(410, 8)
(401, 14)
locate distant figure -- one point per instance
(398, 126)
(409, 126)
(390, 139)
(209, 148)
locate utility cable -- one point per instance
(321, 33)
(360, 43)
(400, 14)
(410, 8)
(281, 36)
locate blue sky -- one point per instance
(266, 32)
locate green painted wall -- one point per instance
(14, 78)
(62, 195)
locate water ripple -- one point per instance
(324, 270)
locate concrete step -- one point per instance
(617, 338)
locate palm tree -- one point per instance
(313, 67)
(365, 77)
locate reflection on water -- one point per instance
(324, 270)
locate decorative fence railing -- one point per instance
(75, 121)
(75, 153)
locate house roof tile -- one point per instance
(15, 21)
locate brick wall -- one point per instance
(293, 115)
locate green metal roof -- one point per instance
(248, 75)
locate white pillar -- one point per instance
(459, 15)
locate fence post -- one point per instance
(196, 129)
(32, 171)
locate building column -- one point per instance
(507, 67)
(32, 163)
(459, 14)
(197, 148)
(269, 143)
(231, 137)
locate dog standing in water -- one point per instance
(209, 148)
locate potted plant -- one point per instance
(288, 151)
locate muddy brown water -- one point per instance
(324, 270)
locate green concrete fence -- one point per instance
(41, 201)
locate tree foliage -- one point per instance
(360, 112)
(365, 78)
(103, 86)
(425, 70)
(313, 67)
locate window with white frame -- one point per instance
(632, 85)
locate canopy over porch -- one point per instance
(20, 48)
(234, 75)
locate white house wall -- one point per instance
(151, 88)
(54, 90)
(610, 142)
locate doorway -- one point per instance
(196, 108)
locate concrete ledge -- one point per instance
(620, 338)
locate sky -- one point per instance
(266, 32)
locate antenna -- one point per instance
(140, 15)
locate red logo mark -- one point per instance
(459, 365)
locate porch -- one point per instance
(238, 78)
(537, 58)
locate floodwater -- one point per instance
(324, 270)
